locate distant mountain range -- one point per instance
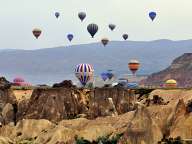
(56, 64)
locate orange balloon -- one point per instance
(134, 66)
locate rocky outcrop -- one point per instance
(65, 83)
(7, 103)
(180, 70)
(180, 121)
(4, 84)
(146, 125)
(66, 131)
(30, 129)
(56, 104)
(97, 114)
(5, 140)
(141, 129)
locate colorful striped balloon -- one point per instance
(84, 72)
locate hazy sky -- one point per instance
(19, 17)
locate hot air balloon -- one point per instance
(110, 74)
(125, 36)
(92, 29)
(70, 37)
(171, 83)
(36, 32)
(152, 15)
(112, 26)
(18, 81)
(134, 66)
(84, 72)
(104, 41)
(57, 14)
(82, 15)
(104, 76)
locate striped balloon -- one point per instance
(92, 29)
(84, 72)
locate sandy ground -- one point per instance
(22, 94)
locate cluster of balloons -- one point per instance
(91, 28)
(85, 72)
(37, 32)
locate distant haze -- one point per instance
(19, 17)
(56, 64)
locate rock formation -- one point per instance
(56, 104)
(65, 115)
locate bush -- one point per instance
(176, 140)
(101, 140)
(82, 141)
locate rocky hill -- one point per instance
(180, 70)
(145, 125)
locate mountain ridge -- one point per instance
(50, 65)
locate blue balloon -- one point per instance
(104, 76)
(152, 15)
(70, 37)
(110, 75)
(57, 14)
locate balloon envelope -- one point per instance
(18, 79)
(57, 14)
(104, 41)
(92, 29)
(104, 76)
(70, 37)
(171, 83)
(152, 15)
(134, 66)
(82, 15)
(84, 72)
(110, 75)
(36, 32)
(112, 26)
(125, 36)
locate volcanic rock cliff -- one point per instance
(56, 104)
(102, 115)
(180, 70)
(144, 125)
